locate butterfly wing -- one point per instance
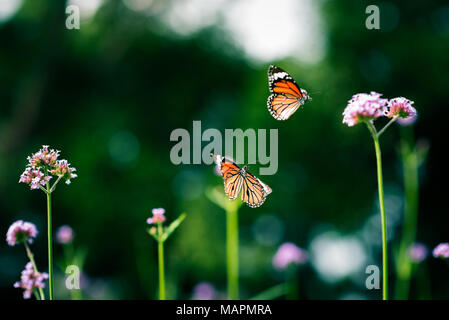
(232, 175)
(254, 191)
(286, 96)
(237, 179)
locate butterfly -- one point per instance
(286, 96)
(254, 191)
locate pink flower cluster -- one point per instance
(42, 165)
(30, 280)
(158, 216)
(441, 250)
(21, 231)
(63, 169)
(418, 252)
(65, 234)
(44, 158)
(34, 177)
(204, 291)
(401, 107)
(289, 253)
(366, 107)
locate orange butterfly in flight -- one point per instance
(254, 191)
(286, 96)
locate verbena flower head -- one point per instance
(400, 107)
(62, 169)
(44, 164)
(34, 178)
(65, 234)
(418, 252)
(441, 250)
(21, 231)
(204, 291)
(158, 216)
(44, 157)
(30, 280)
(364, 107)
(289, 253)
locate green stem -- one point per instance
(382, 211)
(50, 245)
(232, 252)
(387, 125)
(31, 257)
(410, 175)
(55, 184)
(161, 264)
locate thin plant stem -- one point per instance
(31, 257)
(55, 184)
(232, 252)
(410, 174)
(161, 264)
(50, 245)
(387, 125)
(382, 210)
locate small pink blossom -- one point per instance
(418, 252)
(364, 107)
(43, 157)
(30, 280)
(204, 291)
(62, 169)
(289, 253)
(441, 250)
(400, 107)
(21, 231)
(34, 178)
(43, 165)
(65, 234)
(158, 216)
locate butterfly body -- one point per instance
(236, 179)
(286, 95)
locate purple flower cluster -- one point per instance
(418, 252)
(65, 234)
(158, 216)
(204, 291)
(366, 107)
(289, 253)
(21, 231)
(441, 250)
(44, 163)
(400, 107)
(62, 169)
(34, 177)
(30, 280)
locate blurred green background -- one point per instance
(109, 95)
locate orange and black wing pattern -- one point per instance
(236, 179)
(286, 96)
(231, 173)
(254, 192)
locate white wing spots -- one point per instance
(280, 75)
